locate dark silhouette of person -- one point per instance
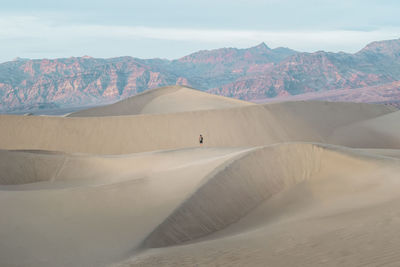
(201, 140)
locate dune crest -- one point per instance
(248, 205)
(170, 99)
(233, 127)
(241, 184)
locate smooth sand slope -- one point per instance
(169, 99)
(392, 153)
(286, 205)
(245, 126)
(378, 131)
(92, 211)
(286, 184)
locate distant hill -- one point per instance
(388, 94)
(254, 73)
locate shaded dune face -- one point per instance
(234, 189)
(105, 205)
(25, 167)
(290, 197)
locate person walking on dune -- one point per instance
(201, 140)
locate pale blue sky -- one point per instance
(171, 29)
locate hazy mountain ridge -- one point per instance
(250, 74)
(388, 94)
(376, 64)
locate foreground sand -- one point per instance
(288, 184)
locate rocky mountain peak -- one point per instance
(20, 59)
(388, 47)
(262, 47)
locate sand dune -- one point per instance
(246, 126)
(393, 153)
(377, 132)
(316, 208)
(285, 184)
(217, 194)
(169, 99)
(96, 223)
(103, 214)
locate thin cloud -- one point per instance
(46, 34)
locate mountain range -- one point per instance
(250, 74)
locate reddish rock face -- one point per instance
(254, 73)
(75, 81)
(389, 48)
(378, 63)
(384, 93)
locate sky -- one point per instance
(174, 28)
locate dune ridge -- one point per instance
(249, 197)
(377, 130)
(233, 127)
(235, 188)
(228, 186)
(239, 185)
(117, 200)
(170, 99)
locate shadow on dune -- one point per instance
(234, 189)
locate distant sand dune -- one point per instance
(382, 132)
(169, 99)
(246, 126)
